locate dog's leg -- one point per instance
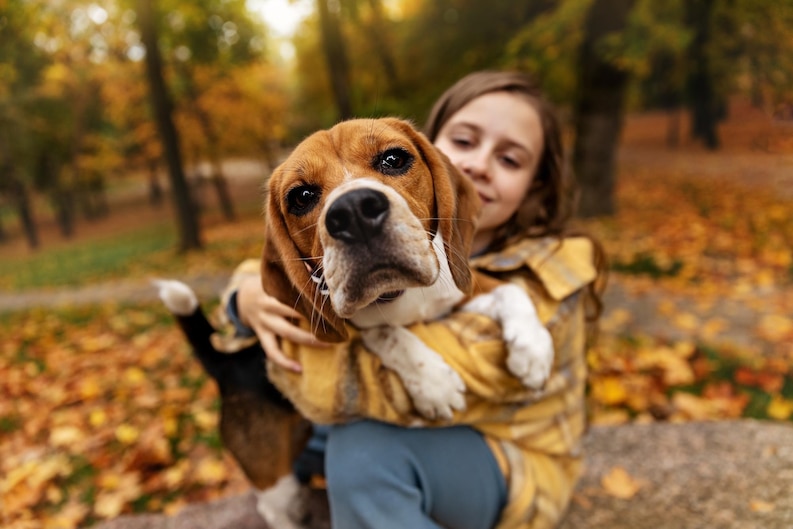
(436, 389)
(530, 345)
(275, 503)
(258, 425)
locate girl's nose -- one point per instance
(475, 166)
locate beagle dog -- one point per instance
(366, 224)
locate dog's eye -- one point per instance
(302, 199)
(393, 162)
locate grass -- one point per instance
(86, 260)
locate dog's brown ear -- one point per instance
(285, 276)
(457, 206)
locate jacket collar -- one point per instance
(563, 266)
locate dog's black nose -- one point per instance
(357, 216)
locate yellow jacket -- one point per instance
(535, 435)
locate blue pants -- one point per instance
(387, 477)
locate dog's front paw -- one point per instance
(530, 355)
(437, 390)
(529, 344)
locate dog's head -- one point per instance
(351, 217)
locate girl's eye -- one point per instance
(462, 142)
(510, 162)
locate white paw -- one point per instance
(529, 344)
(487, 304)
(437, 390)
(530, 356)
(177, 296)
(274, 503)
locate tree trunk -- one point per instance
(376, 32)
(703, 104)
(336, 58)
(219, 181)
(21, 200)
(673, 128)
(599, 109)
(189, 231)
(63, 203)
(155, 187)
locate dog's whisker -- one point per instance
(311, 227)
(304, 259)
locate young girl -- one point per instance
(512, 459)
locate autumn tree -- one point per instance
(707, 109)
(189, 231)
(370, 18)
(335, 51)
(599, 108)
(21, 64)
(204, 44)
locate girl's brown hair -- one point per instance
(550, 203)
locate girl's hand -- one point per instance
(271, 320)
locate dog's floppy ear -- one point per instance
(285, 276)
(457, 206)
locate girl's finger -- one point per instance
(274, 353)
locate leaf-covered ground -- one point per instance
(709, 238)
(104, 411)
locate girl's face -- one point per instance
(496, 140)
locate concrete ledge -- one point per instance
(714, 475)
(234, 512)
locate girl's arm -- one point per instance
(342, 382)
(250, 311)
(346, 382)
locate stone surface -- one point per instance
(714, 475)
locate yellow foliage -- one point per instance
(780, 409)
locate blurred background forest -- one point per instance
(135, 136)
(90, 107)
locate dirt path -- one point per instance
(207, 287)
(656, 313)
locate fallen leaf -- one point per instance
(779, 408)
(211, 472)
(127, 434)
(775, 327)
(609, 390)
(686, 321)
(761, 506)
(109, 504)
(68, 516)
(620, 484)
